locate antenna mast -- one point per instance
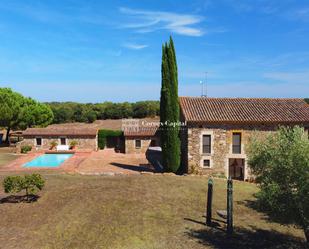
(206, 84)
(204, 93)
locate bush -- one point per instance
(53, 144)
(280, 163)
(25, 149)
(73, 143)
(12, 184)
(30, 183)
(103, 134)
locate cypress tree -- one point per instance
(169, 109)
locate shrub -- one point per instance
(33, 183)
(53, 144)
(103, 134)
(280, 163)
(13, 184)
(73, 143)
(25, 149)
(30, 183)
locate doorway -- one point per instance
(237, 168)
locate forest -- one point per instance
(65, 112)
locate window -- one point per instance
(206, 163)
(236, 143)
(63, 141)
(206, 144)
(38, 141)
(138, 144)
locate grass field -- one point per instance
(142, 211)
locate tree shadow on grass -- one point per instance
(268, 214)
(245, 238)
(19, 199)
(138, 168)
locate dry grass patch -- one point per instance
(6, 158)
(140, 211)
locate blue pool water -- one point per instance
(48, 161)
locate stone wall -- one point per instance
(83, 143)
(145, 143)
(221, 146)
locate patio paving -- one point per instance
(108, 162)
(103, 162)
(70, 165)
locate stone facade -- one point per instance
(131, 144)
(221, 154)
(84, 143)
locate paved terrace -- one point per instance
(108, 162)
(103, 162)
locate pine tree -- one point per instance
(169, 109)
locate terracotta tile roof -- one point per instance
(140, 132)
(109, 124)
(244, 110)
(59, 132)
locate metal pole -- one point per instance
(206, 84)
(229, 206)
(209, 202)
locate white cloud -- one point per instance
(134, 46)
(149, 21)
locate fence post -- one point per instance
(209, 202)
(229, 206)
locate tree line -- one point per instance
(65, 112)
(19, 112)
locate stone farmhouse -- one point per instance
(218, 130)
(137, 137)
(214, 134)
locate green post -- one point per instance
(209, 202)
(229, 206)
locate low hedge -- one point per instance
(25, 149)
(103, 134)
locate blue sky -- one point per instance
(94, 51)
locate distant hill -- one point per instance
(307, 100)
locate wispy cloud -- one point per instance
(248, 89)
(40, 11)
(282, 9)
(149, 21)
(289, 77)
(300, 14)
(36, 12)
(134, 46)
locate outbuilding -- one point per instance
(82, 139)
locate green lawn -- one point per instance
(142, 211)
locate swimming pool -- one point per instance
(48, 161)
